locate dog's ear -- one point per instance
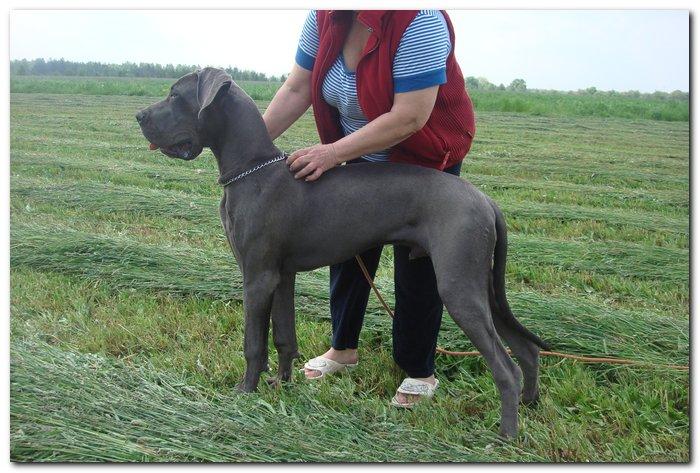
(211, 83)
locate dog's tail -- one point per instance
(500, 306)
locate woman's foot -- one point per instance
(403, 399)
(347, 356)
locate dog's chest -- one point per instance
(227, 223)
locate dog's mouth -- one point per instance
(182, 150)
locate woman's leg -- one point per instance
(417, 315)
(349, 294)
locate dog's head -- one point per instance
(179, 125)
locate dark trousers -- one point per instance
(417, 314)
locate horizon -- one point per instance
(621, 50)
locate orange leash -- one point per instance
(585, 359)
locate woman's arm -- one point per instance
(409, 114)
(291, 100)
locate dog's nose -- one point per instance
(141, 116)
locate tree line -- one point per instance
(61, 67)
(519, 85)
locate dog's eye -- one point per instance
(173, 95)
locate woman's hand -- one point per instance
(310, 163)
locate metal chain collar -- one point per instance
(252, 170)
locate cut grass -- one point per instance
(140, 414)
(122, 280)
(126, 264)
(160, 173)
(187, 218)
(194, 346)
(115, 198)
(626, 275)
(201, 181)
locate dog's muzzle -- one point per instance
(183, 150)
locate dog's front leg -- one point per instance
(257, 302)
(283, 327)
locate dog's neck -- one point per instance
(244, 142)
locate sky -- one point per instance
(643, 50)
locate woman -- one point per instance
(385, 86)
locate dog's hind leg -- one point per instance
(283, 327)
(464, 291)
(257, 303)
(527, 354)
(524, 344)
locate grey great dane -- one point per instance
(278, 226)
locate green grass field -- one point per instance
(126, 319)
(539, 103)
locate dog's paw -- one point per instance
(507, 434)
(244, 387)
(531, 400)
(276, 382)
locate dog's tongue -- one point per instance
(152, 147)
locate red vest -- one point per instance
(446, 137)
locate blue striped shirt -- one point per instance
(419, 63)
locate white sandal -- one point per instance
(415, 387)
(325, 366)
